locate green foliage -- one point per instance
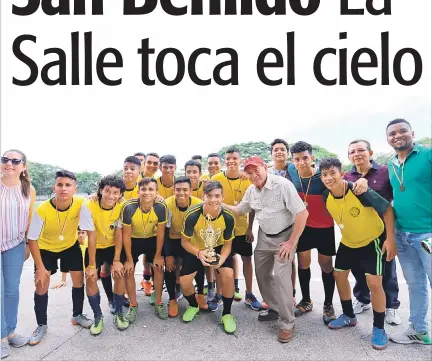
(249, 149)
(427, 141)
(320, 153)
(87, 182)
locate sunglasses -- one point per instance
(14, 161)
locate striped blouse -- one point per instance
(14, 213)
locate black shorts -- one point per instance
(103, 255)
(241, 246)
(369, 259)
(173, 247)
(192, 264)
(145, 246)
(70, 259)
(323, 239)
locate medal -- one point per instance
(400, 180)
(305, 203)
(61, 238)
(402, 188)
(341, 226)
(307, 190)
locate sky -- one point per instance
(95, 127)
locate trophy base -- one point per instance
(215, 261)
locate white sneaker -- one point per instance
(411, 336)
(392, 317)
(359, 307)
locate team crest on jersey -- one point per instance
(354, 211)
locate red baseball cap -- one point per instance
(255, 160)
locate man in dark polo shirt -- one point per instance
(360, 153)
(410, 173)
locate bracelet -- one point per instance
(94, 267)
(116, 261)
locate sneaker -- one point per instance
(121, 322)
(411, 336)
(264, 305)
(5, 349)
(161, 311)
(147, 287)
(18, 341)
(173, 308)
(205, 291)
(342, 321)
(210, 294)
(229, 323)
(303, 307)
(215, 303)
(152, 298)
(178, 295)
(97, 326)
(359, 307)
(82, 320)
(392, 317)
(252, 302)
(111, 307)
(237, 295)
(379, 338)
(190, 313)
(202, 303)
(37, 335)
(328, 313)
(268, 315)
(132, 313)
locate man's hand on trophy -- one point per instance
(170, 263)
(158, 262)
(204, 258)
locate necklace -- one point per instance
(307, 190)
(61, 237)
(105, 231)
(401, 187)
(234, 191)
(142, 219)
(341, 225)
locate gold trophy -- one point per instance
(210, 237)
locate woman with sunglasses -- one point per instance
(17, 198)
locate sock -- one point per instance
(95, 305)
(227, 302)
(170, 279)
(40, 307)
(211, 285)
(118, 303)
(378, 319)
(329, 287)
(146, 277)
(77, 300)
(177, 287)
(192, 300)
(304, 276)
(199, 279)
(294, 292)
(347, 308)
(236, 286)
(107, 286)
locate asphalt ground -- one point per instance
(150, 338)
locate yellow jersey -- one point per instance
(164, 191)
(131, 193)
(55, 230)
(176, 215)
(199, 192)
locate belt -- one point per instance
(278, 234)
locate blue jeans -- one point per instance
(12, 262)
(416, 268)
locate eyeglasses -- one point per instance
(14, 161)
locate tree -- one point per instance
(87, 182)
(42, 177)
(249, 149)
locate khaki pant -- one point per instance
(276, 290)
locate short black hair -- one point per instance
(147, 180)
(397, 121)
(139, 154)
(195, 157)
(232, 149)
(368, 146)
(300, 147)
(169, 159)
(211, 185)
(327, 163)
(213, 155)
(65, 174)
(183, 179)
(279, 141)
(132, 159)
(153, 155)
(192, 163)
(111, 181)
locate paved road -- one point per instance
(150, 338)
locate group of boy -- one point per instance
(168, 220)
